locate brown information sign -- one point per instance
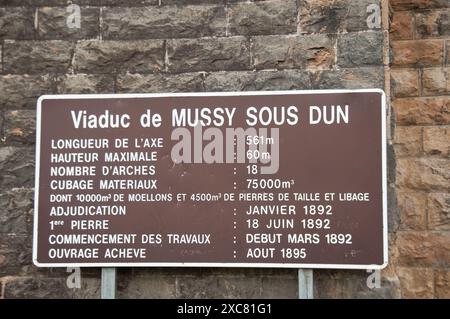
(256, 179)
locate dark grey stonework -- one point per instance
(210, 54)
(22, 91)
(84, 84)
(80, 2)
(181, 2)
(163, 22)
(53, 23)
(260, 18)
(351, 284)
(34, 287)
(17, 23)
(334, 16)
(33, 57)
(16, 211)
(294, 52)
(17, 167)
(349, 78)
(154, 83)
(257, 81)
(15, 253)
(361, 49)
(17, 127)
(119, 56)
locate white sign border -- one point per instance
(206, 264)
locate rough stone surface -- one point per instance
(348, 78)
(15, 253)
(119, 56)
(420, 84)
(218, 287)
(331, 16)
(433, 23)
(84, 84)
(178, 2)
(423, 173)
(122, 3)
(279, 287)
(16, 23)
(210, 54)
(18, 128)
(62, 2)
(22, 91)
(423, 249)
(163, 22)
(256, 81)
(55, 23)
(17, 167)
(148, 286)
(95, 2)
(416, 282)
(154, 83)
(413, 210)
(436, 81)
(287, 52)
(417, 53)
(393, 210)
(422, 111)
(402, 26)
(436, 140)
(37, 288)
(362, 49)
(439, 211)
(359, 14)
(418, 4)
(408, 141)
(90, 288)
(321, 16)
(442, 283)
(31, 57)
(262, 18)
(405, 82)
(351, 284)
(16, 209)
(447, 58)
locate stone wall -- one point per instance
(420, 82)
(206, 45)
